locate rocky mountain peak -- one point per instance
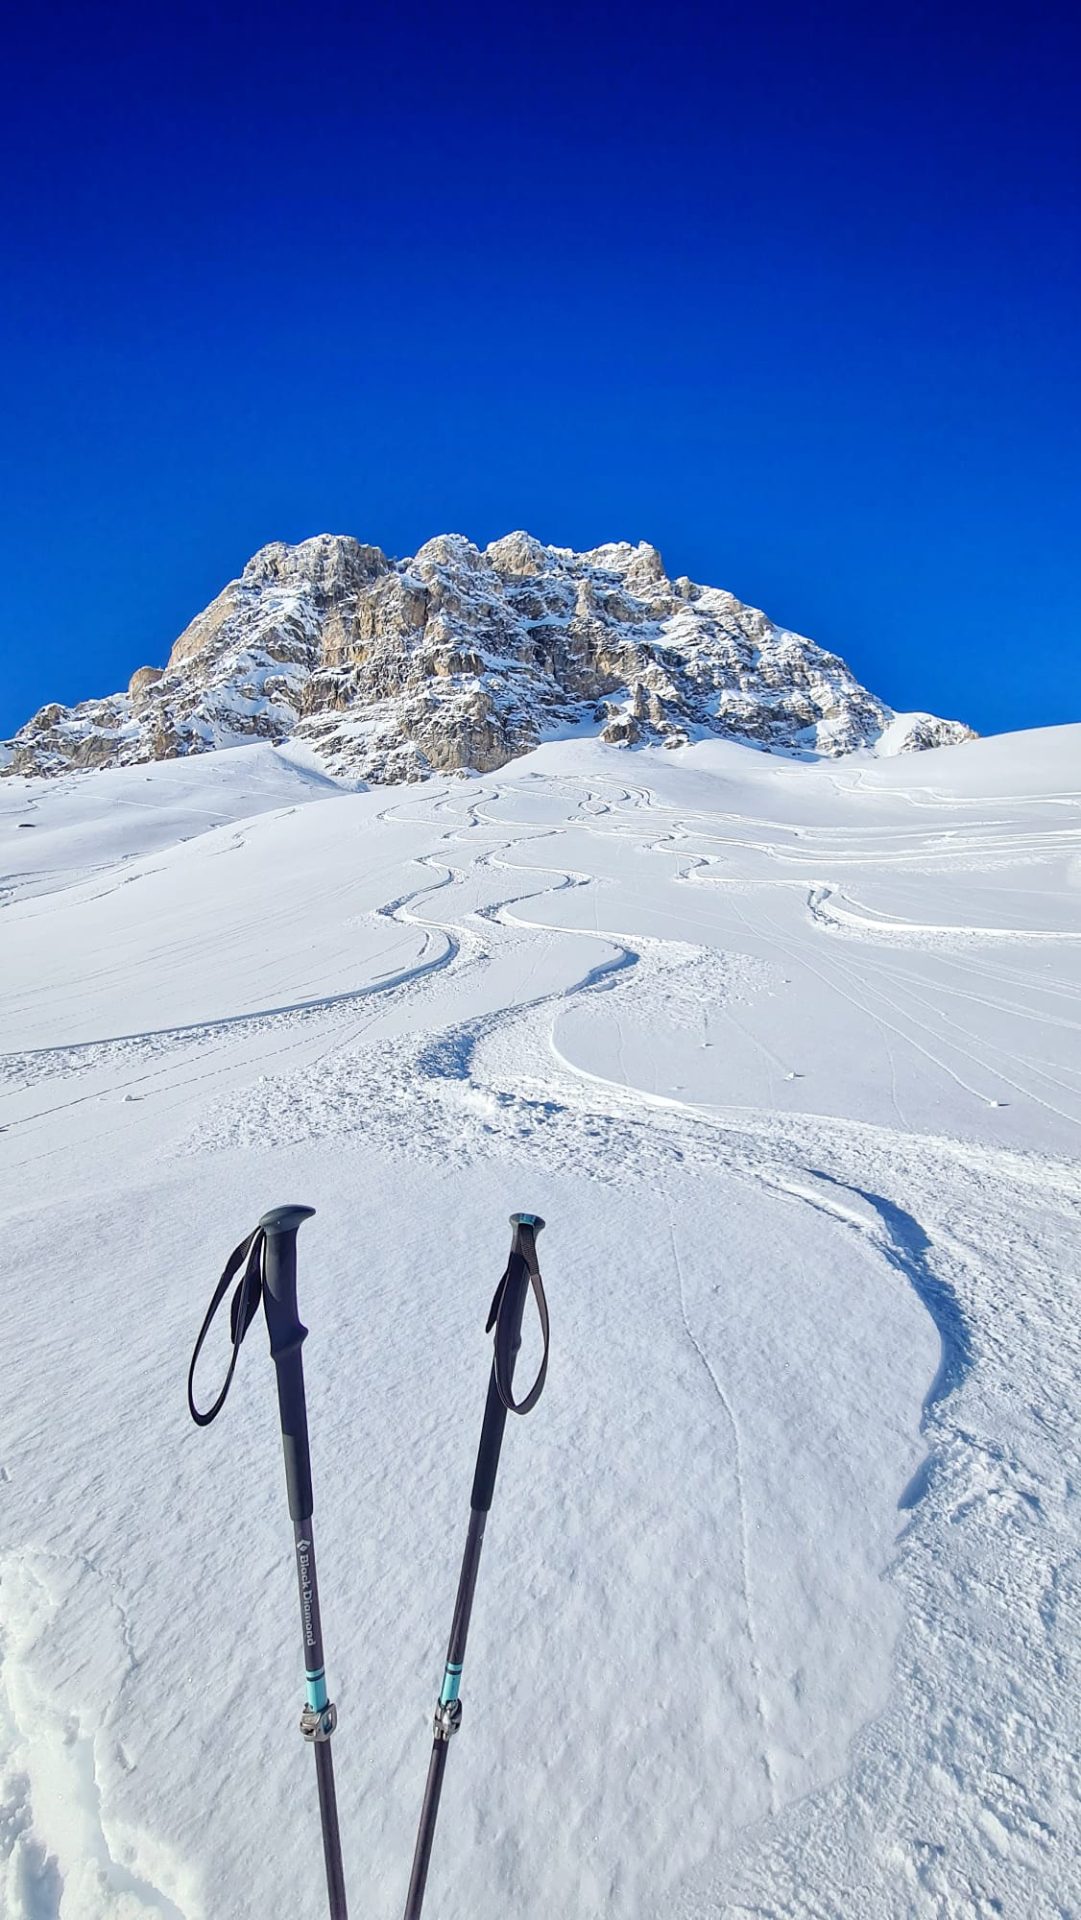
(462, 658)
(516, 554)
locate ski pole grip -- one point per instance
(287, 1336)
(508, 1309)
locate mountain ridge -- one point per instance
(462, 658)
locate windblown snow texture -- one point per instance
(780, 1598)
(391, 670)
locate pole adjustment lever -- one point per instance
(318, 1723)
(448, 1718)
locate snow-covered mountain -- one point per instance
(456, 658)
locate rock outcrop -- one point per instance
(457, 658)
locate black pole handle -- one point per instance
(508, 1324)
(287, 1336)
(507, 1310)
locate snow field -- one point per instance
(776, 1605)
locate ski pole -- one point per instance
(506, 1313)
(269, 1259)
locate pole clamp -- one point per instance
(318, 1723)
(448, 1718)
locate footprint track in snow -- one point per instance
(60, 1853)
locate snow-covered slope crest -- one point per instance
(456, 658)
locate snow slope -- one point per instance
(780, 1590)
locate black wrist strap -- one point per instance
(506, 1341)
(242, 1310)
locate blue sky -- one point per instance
(792, 293)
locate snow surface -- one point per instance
(780, 1590)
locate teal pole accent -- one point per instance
(452, 1680)
(318, 1697)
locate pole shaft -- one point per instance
(311, 1624)
(332, 1843)
(287, 1336)
(467, 1586)
(429, 1813)
(484, 1477)
(452, 1674)
(316, 1688)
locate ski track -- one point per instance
(761, 1707)
(498, 1083)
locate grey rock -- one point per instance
(461, 659)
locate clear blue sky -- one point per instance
(791, 292)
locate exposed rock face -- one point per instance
(456, 658)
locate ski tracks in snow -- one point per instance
(761, 1706)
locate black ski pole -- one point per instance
(506, 1313)
(269, 1259)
